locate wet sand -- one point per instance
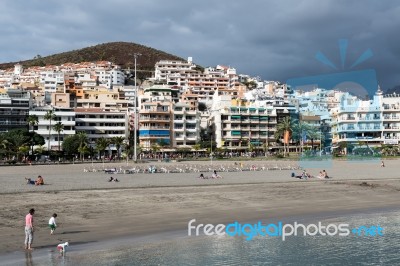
(91, 209)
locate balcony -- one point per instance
(154, 110)
(163, 119)
(154, 127)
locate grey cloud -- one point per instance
(272, 39)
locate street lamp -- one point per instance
(135, 55)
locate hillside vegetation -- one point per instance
(120, 53)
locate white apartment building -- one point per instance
(373, 122)
(186, 126)
(51, 80)
(109, 77)
(174, 71)
(64, 115)
(97, 123)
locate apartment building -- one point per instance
(100, 97)
(64, 115)
(98, 123)
(14, 109)
(155, 124)
(52, 81)
(373, 122)
(186, 125)
(238, 124)
(174, 71)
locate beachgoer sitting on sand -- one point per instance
(215, 175)
(325, 174)
(303, 175)
(112, 179)
(320, 175)
(29, 181)
(39, 181)
(201, 176)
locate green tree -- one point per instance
(284, 127)
(33, 120)
(82, 141)
(101, 146)
(4, 144)
(58, 127)
(298, 129)
(71, 144)
(16, 139)
(23, 150)
(51, 116)
(197, 147)
(118, 142)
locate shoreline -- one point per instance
(91, 209)
(135, 241)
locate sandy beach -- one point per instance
(91, 209)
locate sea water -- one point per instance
(180, 249)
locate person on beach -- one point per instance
(321, 175)
(29, 229)
(52, 223)
(325, 174)
(29, 181)
(303, 175)
(215, 175)
(39, 181)
(382, 164)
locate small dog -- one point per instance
(62, 247)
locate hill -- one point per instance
(120, 53)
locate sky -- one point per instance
(275, 40)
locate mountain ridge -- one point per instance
(120, 53)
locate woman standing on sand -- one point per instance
(29, 229)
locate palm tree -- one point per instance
(23, 150)
(315, 134)
(17, 139)
(33, 120)
(58, 127)
(284, 131)
(4, 144)
(118, 141)
(50, 115)
(101, 145)
(300, 128)
(83, 139)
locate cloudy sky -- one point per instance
(276, 40)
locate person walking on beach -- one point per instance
(29, 229)
(52, 223)
(382, 164)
